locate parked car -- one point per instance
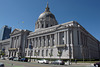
(1, 65)
(58, 62)
(43, 61)
(11, 58)
(16, 59)
(2, 58)
(24, 59)
(98, 63)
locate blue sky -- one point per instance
(86, 12)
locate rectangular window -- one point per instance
(78, 37)
(46, 52)
(42, 52)
(61, 35)
(53, 40)
(38, 52)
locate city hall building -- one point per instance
(53, 40)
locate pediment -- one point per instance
(16, 31)
(60, 26)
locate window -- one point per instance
(38, 52)
(42, 52)
(51, 51)
(48, 37)
(61, 35)
(78, 37)
(31, 53)
(42, 25)
(44, 41)
(40, 41)
(28, 53)
(53, 40)
(34, 53)
(46, 52)
(46, 25)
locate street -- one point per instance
(9, 63)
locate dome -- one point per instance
(46, 14)
(45, 20)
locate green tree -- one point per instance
(50, 54)
(36, 54)
(59, 54)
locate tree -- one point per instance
(59, 54)
(36, 54)
(50, 54)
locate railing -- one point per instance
(61, 45)
(13, 49)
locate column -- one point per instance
(11, 41)
(35, 42)
(38, 42)
(28, 42)
(58, 38)
(19, 41)
(71, 37)
(51, 40)
(65, 37)
(32, 42)
(15, 42)
(46, 42)
(42, 41)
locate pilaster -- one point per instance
(65, 37)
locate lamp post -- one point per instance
(30, 47)
(69, 54)
(59, 54)
(3, 52)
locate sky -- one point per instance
(23, 14)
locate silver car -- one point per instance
(43, 61)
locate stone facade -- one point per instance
(5, 44)
(49, 38)
(70, 38)
(18, 41)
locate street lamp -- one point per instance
(59, 54)
(30, 47)
(3, 52)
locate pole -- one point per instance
(30, 55)
(69, 54)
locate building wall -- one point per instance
(70, 38)
(85, 45)
(18, 42)
(5, 32)
(5, 44)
